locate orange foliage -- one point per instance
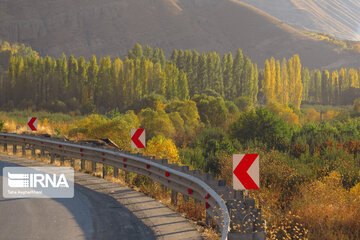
(312, 115)
(332, 211)
(329, 115)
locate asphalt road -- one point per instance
(99, 210)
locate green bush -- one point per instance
(260, 125)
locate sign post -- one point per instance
(32, 124)
(246, 171)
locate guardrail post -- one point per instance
(5, 147)
(62, 160)
(127, 179)
(52, 157)
(208, 219)
(14, 149)
(174, 196)
(103, 171)
(244, 213)
(116, 172)
(23, 151)
(72, 162)
(185, 198)
(33, 151)
(82, 164)
(42, 153)
(93, 166)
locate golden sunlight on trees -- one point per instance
(284, 112)
(117, 129)
(329, 206)
(283, 83)
(162, 147)
(312, 115)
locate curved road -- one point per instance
(99, 210)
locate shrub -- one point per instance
(162, 147)
(261, 125)
(328, 210)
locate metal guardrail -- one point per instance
(176, 177)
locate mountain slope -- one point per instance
(111, 27)
(340, 18)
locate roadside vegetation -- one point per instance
(198, 110)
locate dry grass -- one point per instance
(329, 210)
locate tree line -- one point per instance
(64, 84)
(103, 84)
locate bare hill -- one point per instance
(111, 27)
(340, 18)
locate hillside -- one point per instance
(338, 18)
(110, 27)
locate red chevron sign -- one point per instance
(246, 171)
(32, 124)
(137, 138)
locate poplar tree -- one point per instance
(255, 89)
(353, 78)
(82, 78)
(136, 52)
(183, 90)
(266, 83)
(92, 70)
(325, 79)
(148, 52)
(73, 88)
(284, 82)
(202, 73)
(272, 84)
(227, 66)
(335, 99)
(306, 81)
(278, 85)
(237, 71)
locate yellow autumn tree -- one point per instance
(284, 82)
(266, 83)
(278, 85)
(295, 84)
(353, 78)
(284, 112)
(162, 147)
(273, 78)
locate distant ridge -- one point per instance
(112, 27)
(340, 18)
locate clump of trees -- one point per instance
(103, 84)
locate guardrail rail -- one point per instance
(236, 216)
